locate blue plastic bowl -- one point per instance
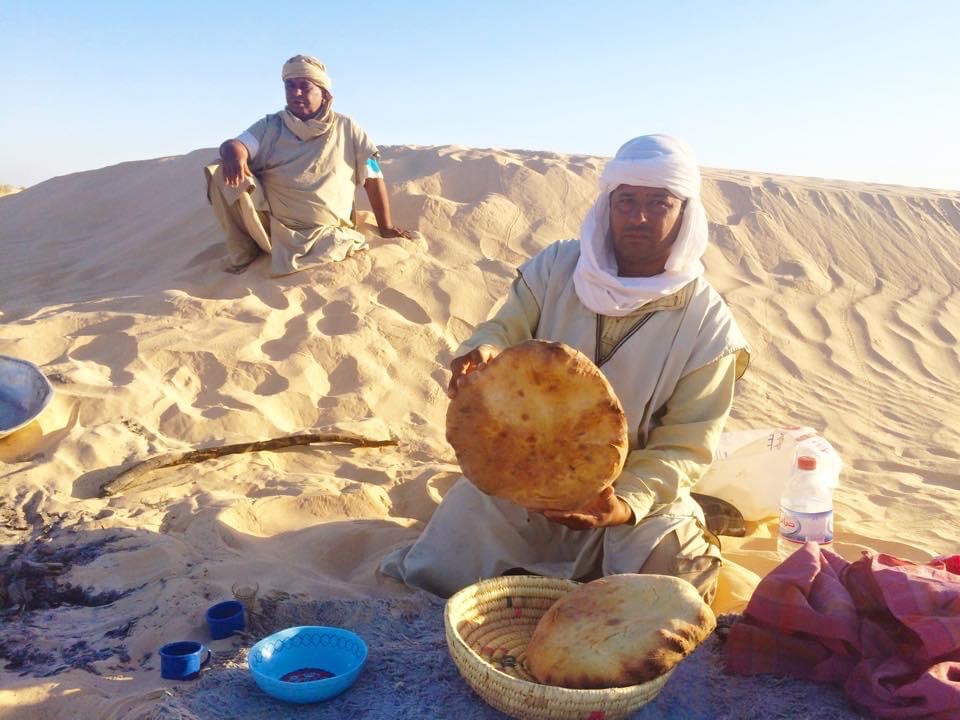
(314, 647)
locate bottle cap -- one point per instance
(805, 462)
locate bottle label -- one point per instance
(800, 527)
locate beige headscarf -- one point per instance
(306, 66)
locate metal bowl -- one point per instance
(24, 393)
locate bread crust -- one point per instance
(617, 631)
(541, 426)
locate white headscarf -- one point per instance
(651, 161)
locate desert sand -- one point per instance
(111, 282)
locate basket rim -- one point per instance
(558, 583)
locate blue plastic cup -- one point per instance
(225, 618)
(182, 660)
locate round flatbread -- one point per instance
(539, 425)
(617, 631)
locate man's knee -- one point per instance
(702, 572)
(213, 175)
(249, 188)
(690, 553)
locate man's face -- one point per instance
(304, 97)
(644, 222)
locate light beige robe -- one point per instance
(672, 364)
(299, 206)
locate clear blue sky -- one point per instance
(858, 90)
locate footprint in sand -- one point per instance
(115, 351)
(404, 305)
(273, 384)
(197, 378)
(294, 332)
(258, 378)
(338, 319)
(345, 377)
(360, 474)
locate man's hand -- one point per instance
(234, 171)
(476, 359)
(395, 232)
(235, 156)
(605, 510)
(380, 204)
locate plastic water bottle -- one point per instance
(806, 507)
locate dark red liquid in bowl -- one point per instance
(306, 675)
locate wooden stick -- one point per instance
(134, 476)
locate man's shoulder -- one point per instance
(260, 125)
(346, 122)
(571, 245)
(703, 288)
(715, 315)
(552, 265)
(274, 118)
(561, 251)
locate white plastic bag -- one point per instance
(751, 467)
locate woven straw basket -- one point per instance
(488, 626)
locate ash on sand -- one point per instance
(409, 674)
(34, 599)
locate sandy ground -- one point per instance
(112, 283)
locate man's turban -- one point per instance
(306, 66)
(651, 161)
(654, 161)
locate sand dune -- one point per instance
(111, 282)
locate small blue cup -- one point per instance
(225, 618)
(181, 660)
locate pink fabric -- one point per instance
(887, 630)
(951, 563)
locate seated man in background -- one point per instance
(287, 185)
(630, 294)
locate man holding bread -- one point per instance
(630, 295)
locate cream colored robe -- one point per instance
(299, 206)
(672, 364)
